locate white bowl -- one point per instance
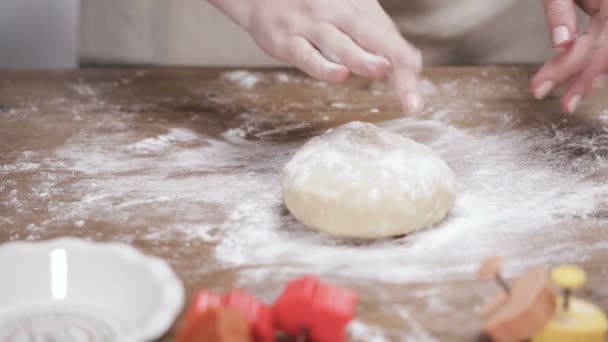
(74, 290)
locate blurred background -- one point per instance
(47, 34)
(39, 33)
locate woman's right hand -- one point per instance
(328, 39)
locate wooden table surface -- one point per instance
(184, 164)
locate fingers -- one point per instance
(562, 21)
(595, 74)
(336, 46)
(405, 59)
(562, 67)
(590, 7)
(406, 84)
(308, 59)
(592, 78)
(386, 41)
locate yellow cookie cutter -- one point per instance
(575, 319)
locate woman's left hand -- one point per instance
(584, 61)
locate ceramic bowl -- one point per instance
(72, 290)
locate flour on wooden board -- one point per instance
(163, 142)
(504, 190)
(245, 79)
(514, 183)
(18, 167)
(249, 79)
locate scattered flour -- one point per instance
(18, 167)
(245, 79)
(366, 332)
(516, 185)
(235, 135)
(282, 77)
(505, 191)
(165, 141)
(428, 88)
(282, 129)
(83, 89)
(418, 333)
(340, 105)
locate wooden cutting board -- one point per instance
(184, 164)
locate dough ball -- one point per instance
(359, 180)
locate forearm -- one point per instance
(238, 10)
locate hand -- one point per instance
(330, 39)
(584, 61)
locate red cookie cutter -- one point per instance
(319, 312)
(257, 313)
(217, 324)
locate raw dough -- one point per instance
(359, 180)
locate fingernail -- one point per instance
(375, 61)
(599, 81)
(543, 89)
(414, 103)
(382, 60)
(560, 35)
(338, 69)
(574, 101)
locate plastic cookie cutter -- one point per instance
(257, 314)
(522, 308)
(217, 324)
(574, 319)
(310, 310)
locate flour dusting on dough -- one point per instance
(376, 183)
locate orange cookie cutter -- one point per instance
(522, 308)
